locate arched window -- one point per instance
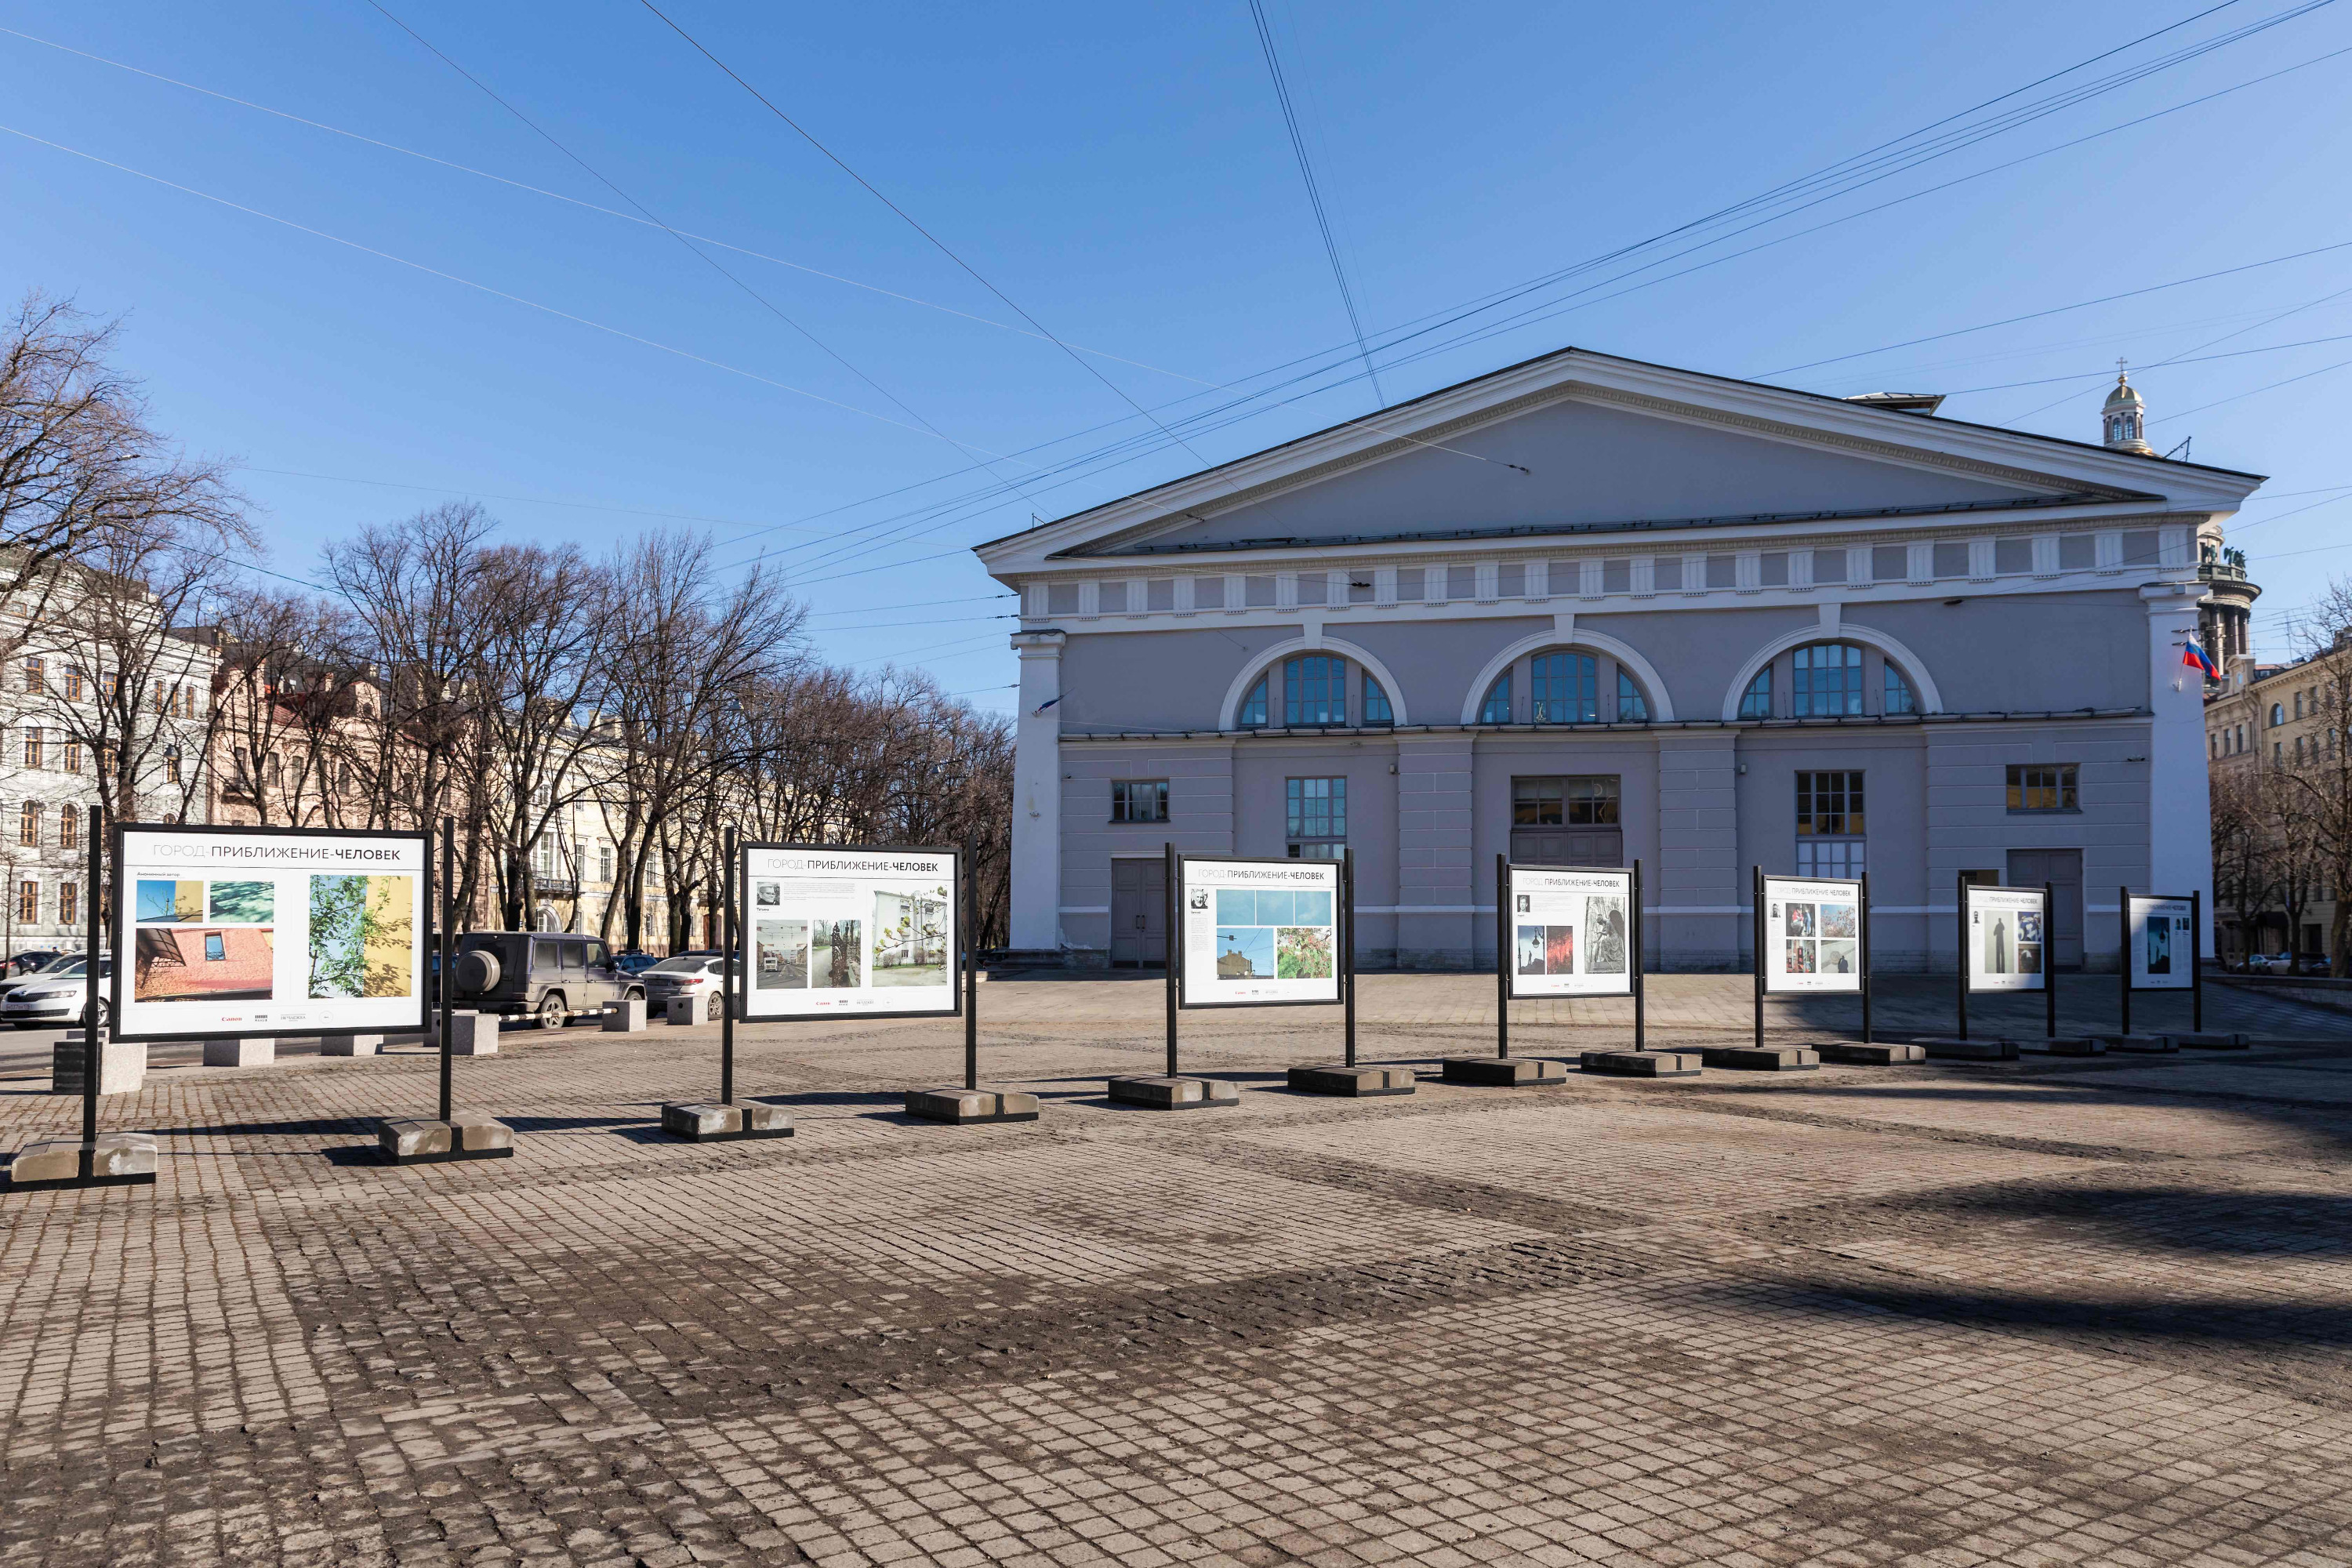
(69, 827)
(1376, 702)
(28, 826)
(1314, 690)
(1252, 715)
(2278, 714)
(1496, 709)
(1756, 702)
(1562, 689)
(1631, 706)
(1827, 680)
(1899, 698)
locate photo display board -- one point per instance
(1812, 935)
(266, 931)
(1571, 932)
(2007, 937)
(1259, 932)
(2162, 944)
(826, 929)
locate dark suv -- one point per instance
(552, 977)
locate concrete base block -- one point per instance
(116, 1159)
(1502, 1072)
(1763, 1059)
(2139, 1044)
(246, 1053)
(1352, 1083)
(351, 1045)
(706, 1122)
(121, 1070)
(1155, 1093)
(971, 1107)
(473, 1034)
(466, 1136)
(686, 1010)
(2213, 1042)
(2063, 1045)
(1852, 1053)
(1650, 1064)
(625, 1017)
(1951, 1048)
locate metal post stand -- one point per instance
(2050, 959)
(92, 1055)
(2123, 952)
(1502, 957)
(1641, 979)
(1758, 873)
(1960, 947)
(2196, 960)
(970, 971)
(448, 944)
(1175, 949)
(727, 978)
(1865, 958)
(1348, 948)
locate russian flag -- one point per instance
(2193, 656)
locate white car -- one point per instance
(55, 997)
(689, 974)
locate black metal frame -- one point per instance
(1342, 926)
(2048, 985)
(740, 883)
(2196, 987)
(126, 954)
(1862, 937)
(1505, 866)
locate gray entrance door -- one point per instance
(1568, 846)
(1138, 911)
(2062, 869)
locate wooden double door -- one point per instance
(1138, 911)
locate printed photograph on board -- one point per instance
(164, 902)
(910, 937)
(779, 955)
(1245, 952)
(1842, 957)
(1840, 921)
(766, 895)
(1999, 946)
(2029, 958)
(1605, 948)
(1799, 957)
(2028, 925)
(244, 903)
(2159, 944)
(218, 964)
(360, 930)
(1798, 920)
(1302, 952)
(837, 955)
(1531, 949)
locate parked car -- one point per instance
(687, 974)
(58, 995)
(636, 961)
(552, 978)
(24, 966)
(2313, 964)
(2285, 964)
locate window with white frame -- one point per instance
(1315, 813)
(1756, 702)
(1496, 709)
(1830, 824)
(1632, 708)
(1563, 689)
(1825, 680)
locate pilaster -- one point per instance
(1037, 793)
(1436, 881)
(2179, 808)
(1700, 881)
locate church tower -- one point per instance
(2123, 419)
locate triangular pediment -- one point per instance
(1582, 444)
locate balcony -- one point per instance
(2221, 571)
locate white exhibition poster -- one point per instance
(2162, 946)
(2005, 939)
(848, 931)
(1571, 932)
(1812, 935)
(1257, 931)
(258, 930)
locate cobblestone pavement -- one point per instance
(2056, 1310)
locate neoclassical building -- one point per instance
(1585, 610)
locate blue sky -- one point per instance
(1124, 176)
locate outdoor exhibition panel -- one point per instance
(1811, 936)
(827, 930)
(2003, 940)
(1571, 932)
(2160, 942)
(268, 930)
(1258, 934)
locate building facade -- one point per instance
(1587, 610)
(2274, 736)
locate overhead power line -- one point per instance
(1314, 194)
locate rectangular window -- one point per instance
(109, 687)
(1257, 593)
(1461, 581)
(1061, 598)
(1616, 577)
(1665, 572)
(69, 828)
(1360, 588)
(2042, 786)
(71, 760)
(1772, 569)
(1314, 588)
(1160, 593)
(73, 683)
(1208, 593)
(1408, 582)
(1951, 558)
(1582, 801)
(1827, 680)
(1317, 822)
(28, 826)
(1889, 562)
(69, 903)
(605, 863)
(36, 682)
(2142, 550)
(1314, 690)
(1828, 804)
(1511, 582)
(1828, 565)
(172, 764)
(215, 948)
(32, 748)
(1563, 689)
(1110, 598)
(576, 956)
(28, 903)
(1723, 571)
(2077, 551)
(1139, 800)
(2011, 556)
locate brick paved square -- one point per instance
(2055, 1310)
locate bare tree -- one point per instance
(2322, 778)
